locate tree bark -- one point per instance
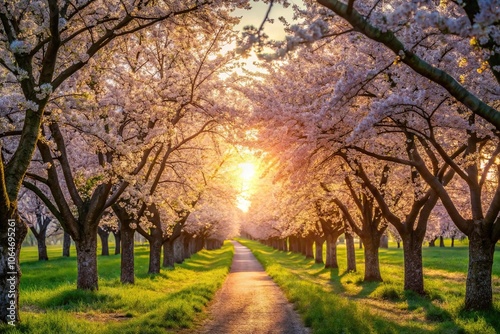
(168, 254)
(351, 253)
(42, 247)
(441, 241)
(154, 255)
(43, 223)
(127, 275)
(104, 236)
(86, 254)
(372, 266)
(452, 241)
(66, 244)
(319, 249)
(117, 235)
(478, 289)
(331, 251)
(186, 242)
(413, 268)
(179, 249)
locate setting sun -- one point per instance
(247, 173)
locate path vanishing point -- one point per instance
(249, 302)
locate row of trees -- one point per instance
(112, 114)
(393, 123)
(118, 107)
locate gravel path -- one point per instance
(250, 302)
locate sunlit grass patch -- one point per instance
(335, 301)
(172, 299)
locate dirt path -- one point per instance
(250, 302)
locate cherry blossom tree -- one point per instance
(368, 222)
(394, 25)
(39, 220)
(43, 46)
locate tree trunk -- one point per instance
(179, 249)
(41, 236)
(399, 244)
(413, 268)
(104, 236)
(432, 242)
(199, 243)
(154, 255)
(12, 234)
(331, 252)
(372, 266)
(360, 243)
(452, 241)
(127, 275)
(86, 254)
(186, 242)
(293, 244)
(168, 254)
(308, 242)
(441, 241)
(66, 244)
(42, 246)
(319, 250)
(117, 235)
(302, 246)
(351, 253)
(384, 241)
(478, 289)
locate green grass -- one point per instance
(173, 299)
(333, 301)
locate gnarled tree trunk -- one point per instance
(372, 265)
(478, 289)
(86, 255)
(413, 270)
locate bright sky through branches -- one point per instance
(256, 15)
(247, 175)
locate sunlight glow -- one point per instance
(247, 171)
(247, 174)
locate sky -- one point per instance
(257, 13)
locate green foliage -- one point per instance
(86, 185)
(334, 301)
(173, 299)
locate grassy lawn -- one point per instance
(333, 301)
(173, 299)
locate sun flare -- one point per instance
(247, 174)
(247, 171)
